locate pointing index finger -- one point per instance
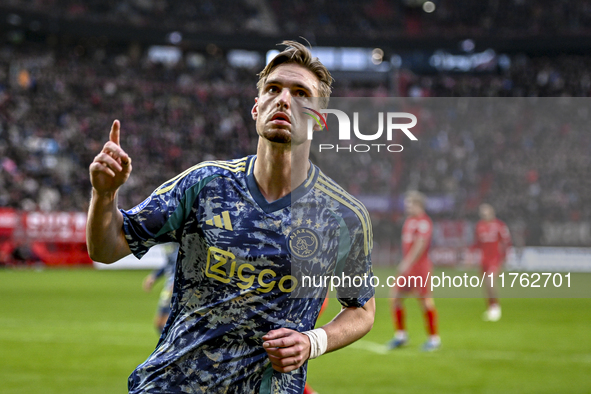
(114, 134)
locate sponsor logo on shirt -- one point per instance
(221, 221)
(222, 266)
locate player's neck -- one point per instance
(279, 171)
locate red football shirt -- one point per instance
(415, 228)
(493, 239)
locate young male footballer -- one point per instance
(246, 228)
(416, 268)
(493, 239)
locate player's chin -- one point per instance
(278, 135)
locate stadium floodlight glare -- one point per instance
(346, 58)
(168, 55)
(243, 58)
(175, 37)
(428, 7)
(377, 55)
(468, 45)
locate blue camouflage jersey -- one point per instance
(241, 271)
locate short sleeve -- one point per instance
(424, 229)
(149, 223)
(160, 217)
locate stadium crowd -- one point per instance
(325, 18)
(56, 109)
(56, 106)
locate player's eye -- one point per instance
(273, 89)
(301, 93)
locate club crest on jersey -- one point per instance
(303, 243)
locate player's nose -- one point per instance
(284, 98)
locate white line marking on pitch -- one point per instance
(370, 347)
(499, 355)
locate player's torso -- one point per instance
(413, 228)
(241, 260)
(488, 231)
(233, 248)
(239, 265)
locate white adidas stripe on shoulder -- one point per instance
(328, 186)
(237, 165)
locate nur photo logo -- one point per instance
(390, 122)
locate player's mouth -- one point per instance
(281, 118)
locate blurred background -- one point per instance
(181, 77)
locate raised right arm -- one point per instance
(104, 228)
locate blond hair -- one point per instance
(299, 54)
(417, 197)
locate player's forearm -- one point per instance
(349, 325)
(413, 255)
(104, 236)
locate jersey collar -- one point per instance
(284, 201)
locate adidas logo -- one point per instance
(222, 221)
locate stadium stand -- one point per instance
(325, 18)
(55, 106)
(59, 94)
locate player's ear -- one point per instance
(255, 109)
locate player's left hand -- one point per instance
(287, 349)
(403, 268)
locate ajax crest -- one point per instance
(303, 243)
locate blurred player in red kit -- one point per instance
(492, 238)
(416, 267)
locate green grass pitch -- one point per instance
(83, 331)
